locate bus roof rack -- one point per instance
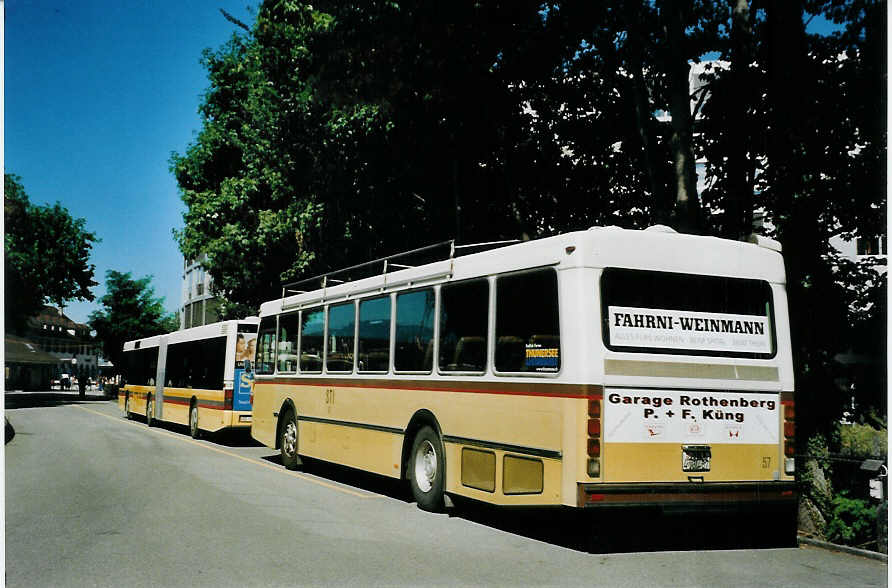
(387, 264)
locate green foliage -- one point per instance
(815, 473)
(47, 255)
(339, 132)
(863, 441)
(852, 521)
(129, 311)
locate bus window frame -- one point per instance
(605, 333)
(275, 350)
(328, 308)
(494, 293)
(487, 338)
(390, 339)
(300, 339)
(297, 349)
(435, 334)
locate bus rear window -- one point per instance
(662, 312)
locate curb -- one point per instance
(844, 548)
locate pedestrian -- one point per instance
(82, 386)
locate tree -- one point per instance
(129, 311)
(337, 132)
(47, 256)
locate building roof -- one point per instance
(22, 351)
(51, 321)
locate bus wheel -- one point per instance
(193, 421)
(427, 469)
(288, 441)
(149, 411)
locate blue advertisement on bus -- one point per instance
(245, 346)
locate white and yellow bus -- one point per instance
(200, 377)
(606, 367)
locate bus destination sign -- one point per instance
(698, 331)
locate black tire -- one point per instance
(149, 411)
(194, 431)
(288, 437)
(427, 470)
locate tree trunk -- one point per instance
(687, 203)
(739, 185)
(643, 108)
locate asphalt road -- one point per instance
(93, 499)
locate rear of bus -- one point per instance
(696, 409)
(237, 391)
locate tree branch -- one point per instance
(234, 20)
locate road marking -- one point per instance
(237, 456)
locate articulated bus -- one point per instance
(599, 368)
(200, 377)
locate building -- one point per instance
(199, 306)
(70, 342)
(26, 366)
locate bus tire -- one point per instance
(194, 431)
(427, 470)
(288, 441)
(149, 411)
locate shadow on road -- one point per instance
(227, 438)
(604, 531)
(374, 483)
(620, 531)
(48, 399)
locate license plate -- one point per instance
(244, 418)
(695, 458)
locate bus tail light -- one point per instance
(789, 438)
(593, 428)
(227, 398)
(594, 448)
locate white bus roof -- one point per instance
(655, 249)
(218, 329)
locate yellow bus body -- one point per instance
(551, 439)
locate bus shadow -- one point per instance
(590, 531)
(347, 476)
(619, 531)
(227, 438)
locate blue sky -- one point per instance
(97, 96)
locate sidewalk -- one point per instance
(33, 398)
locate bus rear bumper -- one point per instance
(681, 495)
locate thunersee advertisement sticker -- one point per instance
(698, 331)
(678, 416)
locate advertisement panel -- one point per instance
(680, 416)
(688, 330)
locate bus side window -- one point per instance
(374, 335)
(464, 321)
(528, 323)
(311, 339)
(341, 337)
(266, 351)
(287, 352)
(414, 331)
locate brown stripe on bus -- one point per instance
(487, 387)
